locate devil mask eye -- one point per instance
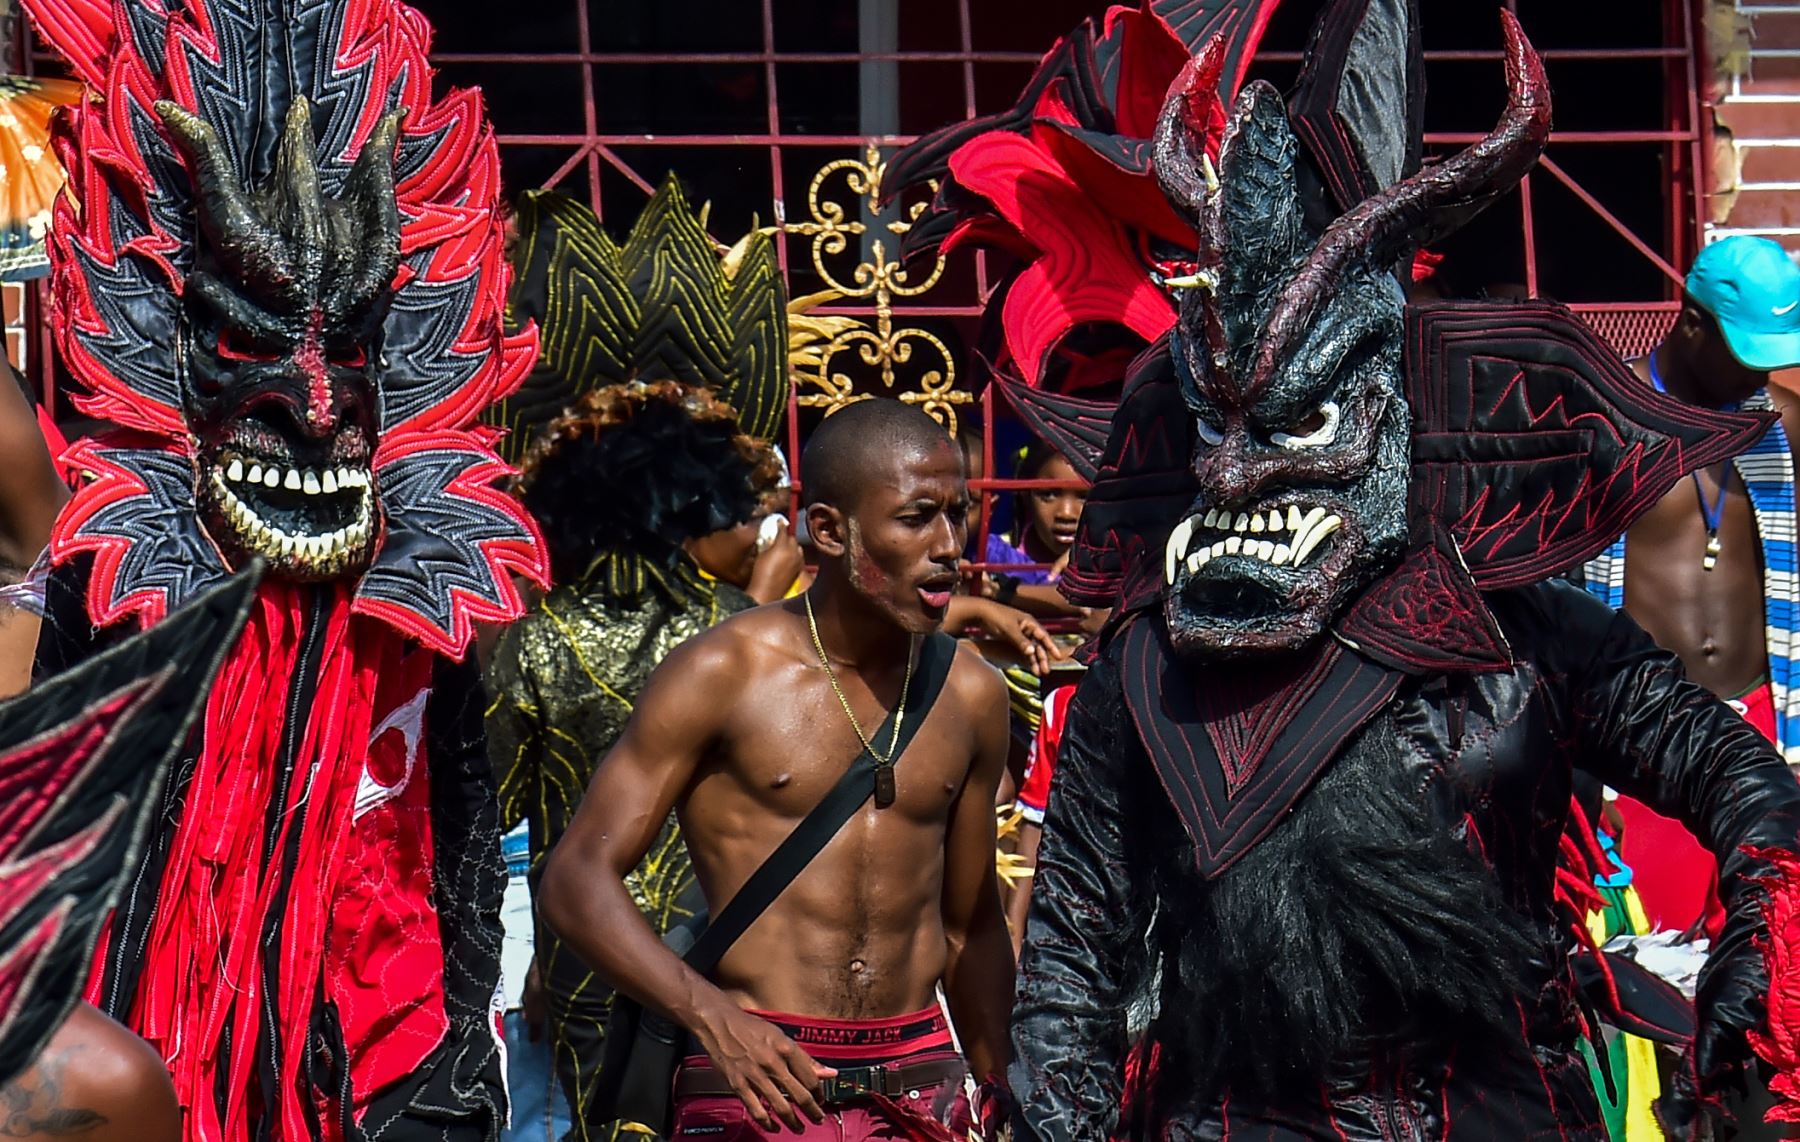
(1313, 431)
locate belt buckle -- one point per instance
(856, 1082)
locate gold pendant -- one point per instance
(1711, 559)
(884, 786)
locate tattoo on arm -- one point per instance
(31, 1106)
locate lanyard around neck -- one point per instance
(1714, 511)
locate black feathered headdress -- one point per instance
(633, 470)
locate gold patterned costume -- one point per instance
(661, 381)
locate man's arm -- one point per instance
(31, 493)
(1009, 626)
(1084, 944)
(679, 717)
(95, 1081)
(1646, 730)
(978, 978)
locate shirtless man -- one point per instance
(742, 731)
(1693, 567)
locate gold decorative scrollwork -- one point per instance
(886, 350)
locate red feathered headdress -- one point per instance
(123, 250)
(1063, 179)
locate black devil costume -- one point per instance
(1306, 822)
(278, 271)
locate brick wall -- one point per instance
(1756, 102)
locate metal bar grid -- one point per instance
(1549, 166)
(594, 151)
(1680, 136)
(1688, 168)
(1687, 136)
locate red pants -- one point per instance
(916, 1116)
(1675, 878)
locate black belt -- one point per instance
(890, 1080)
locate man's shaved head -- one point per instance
(887, 507)
(859, 444)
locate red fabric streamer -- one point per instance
(1135, 1103)
(57, 443)
(1780, 1046)
(356, 911)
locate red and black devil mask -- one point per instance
(280, 341)
(278, 271)
(1307, 453)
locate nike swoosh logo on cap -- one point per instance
(1784, 310)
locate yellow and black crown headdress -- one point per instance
(665, 305)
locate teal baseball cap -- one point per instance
(1752, 288)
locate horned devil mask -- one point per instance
(280, 339)
(1288, 349)
(279, 274)
(1307, 454)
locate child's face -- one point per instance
(1054, 512)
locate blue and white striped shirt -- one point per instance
(1767, 470)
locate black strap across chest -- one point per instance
(854, 788)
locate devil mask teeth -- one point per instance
(1284, 538)
(310, 524)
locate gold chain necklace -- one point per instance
(884, 766)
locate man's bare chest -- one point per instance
(788, 757)
(1695, 518)
(1694, 581)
